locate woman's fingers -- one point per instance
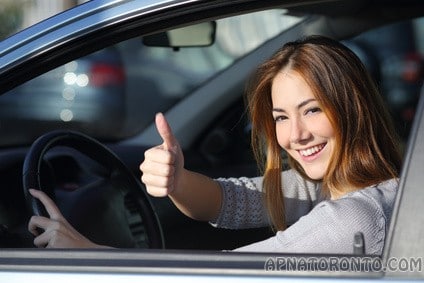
(165, 132)
(51, 230)
(57, 234)
(43, 240)
(158, 178)
(44, 223)
(163, 163)
(156, 168)
(48, 203)
(160, 155)
(37, 222)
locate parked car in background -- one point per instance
(400, 67)
(104, 68)
(88, 93)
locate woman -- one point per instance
(315, 100)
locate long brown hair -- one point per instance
(367, 147)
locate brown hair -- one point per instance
(367, 150)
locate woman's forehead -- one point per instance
(290, 87)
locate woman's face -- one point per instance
(302, 128)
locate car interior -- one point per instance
(94, 176)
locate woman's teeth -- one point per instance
(312, 150)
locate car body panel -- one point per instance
(51, 43)
(401, 242)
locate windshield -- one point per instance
(115, 92)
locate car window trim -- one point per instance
(409, 200)
(167, 262)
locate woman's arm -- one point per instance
(232, 203)
(163, 173)
(330, 227)
(243, 201)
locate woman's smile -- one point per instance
(303, 129)
(311, 153)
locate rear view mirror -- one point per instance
(197, 35)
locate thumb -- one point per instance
(165, 132)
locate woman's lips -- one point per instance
(311, 152)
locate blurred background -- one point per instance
(18, 14)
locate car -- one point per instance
(77, 93)
(396, 49)
(91, 169)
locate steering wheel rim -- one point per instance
(93, 149)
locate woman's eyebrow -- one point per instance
(278, 110)
(300, 105)
(307, 101)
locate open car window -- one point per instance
(112, 94)
(115, 92)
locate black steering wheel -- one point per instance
(139, 223)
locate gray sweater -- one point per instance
(316, 225)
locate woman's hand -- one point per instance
(163, 165)
(194, 194)
(58, 233)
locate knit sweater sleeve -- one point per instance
(331, 225)
(243, 206)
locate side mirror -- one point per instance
(197, 35)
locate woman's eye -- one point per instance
(280, 118)
(313, 110)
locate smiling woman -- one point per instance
(314, 83)
(302, 128)
(87, 69)
(301, 101)
(313, 111)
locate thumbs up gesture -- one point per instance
(163, 164)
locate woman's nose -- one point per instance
(298, 131)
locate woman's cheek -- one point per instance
(282, 137)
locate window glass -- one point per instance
(394, 56)
(115, 92)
